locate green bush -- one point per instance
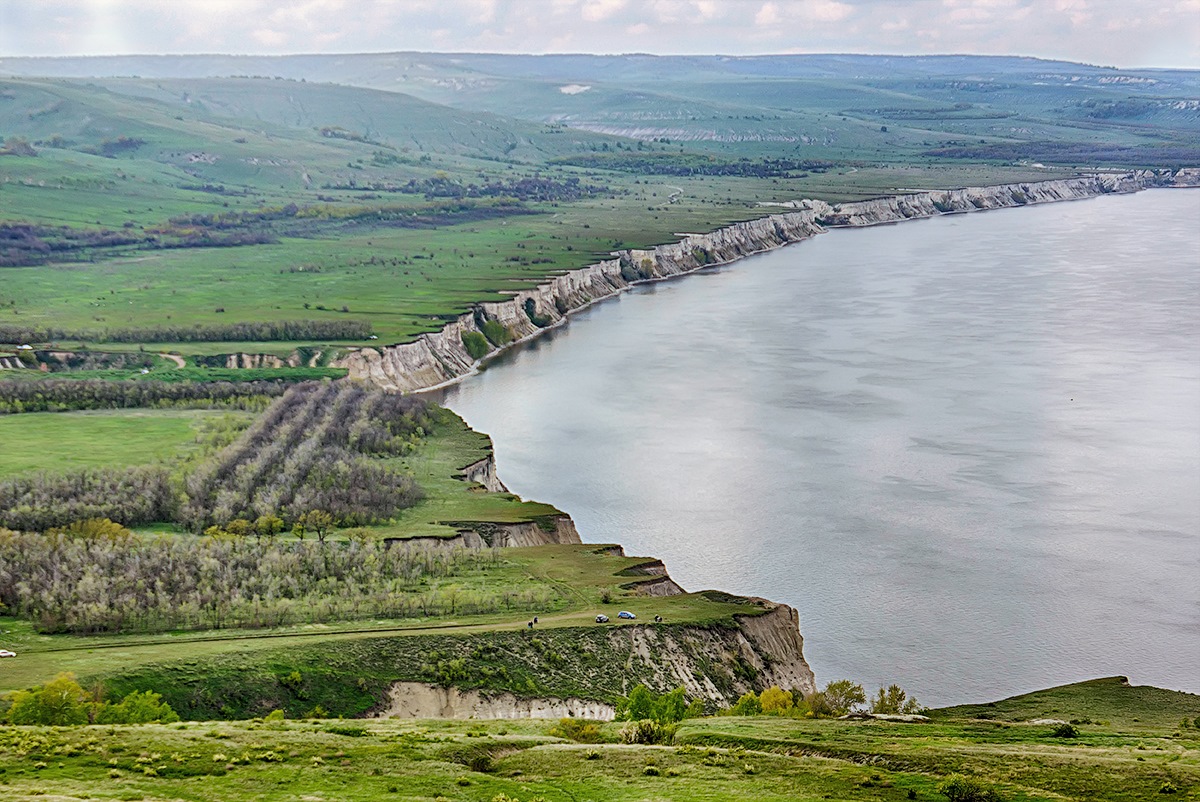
(643, 703)
(894, 699)
(747, 705)
(476, 344)
(578, 730)
(497, 333)
(137, 708)
(1065, 731)
(59, 702)
(958, 788)
(647, 731)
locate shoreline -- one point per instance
(438, 360)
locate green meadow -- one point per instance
(60, 442)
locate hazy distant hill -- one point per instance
(836, 101)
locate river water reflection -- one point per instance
(966, 449)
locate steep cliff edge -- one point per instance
(440, 358)
(720, 664)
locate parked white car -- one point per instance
(7, 653)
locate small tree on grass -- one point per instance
(775, 700)
(268, 526)
(319, 522)
(578, 730)
(748, 704)
(837, 699)
(893, 699)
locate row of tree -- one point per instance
(102, 579)
(241, 331)
(60, 395)
(314, 449)
(837, 698)
(320, 447)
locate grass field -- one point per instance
(59, 442)
(711, 759)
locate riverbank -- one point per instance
(443, 358)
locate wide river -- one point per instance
(966, 449)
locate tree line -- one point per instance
(63, 702)
(242, 331)
(100, 578)
(61, 395)
(684, 165)
(135, 496)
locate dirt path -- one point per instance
(176, 358)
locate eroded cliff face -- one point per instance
(720, 664)
(434, 360)
(483, 473)
(422, 700)
(714, 663)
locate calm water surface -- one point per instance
(967, 449)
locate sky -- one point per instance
(1121, 33)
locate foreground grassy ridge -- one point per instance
(223, 661)
(712, 759)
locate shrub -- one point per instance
(647, 731)
(748, 704)
(958, 788)
(775, 700)
(578, 730)
(1065, 731)
(59, 702)
(643, 703)
(497, 333)
(476, 344)
(137, 708)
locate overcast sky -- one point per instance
(1124, 33)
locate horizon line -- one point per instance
(599, 55)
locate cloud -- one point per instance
(767, 16)
(1122, 32)
(598, 10)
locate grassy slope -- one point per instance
(64, 441)
(714, 759)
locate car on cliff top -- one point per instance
(7, 653)
(602, 619)
(626, 614)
